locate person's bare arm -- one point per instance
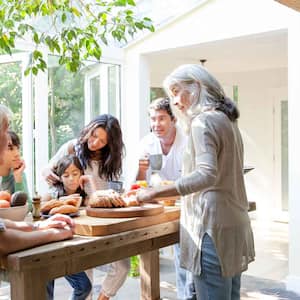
(22, 235)
(87, 180)
(143, 168)
(19, 171)
(13, 240)
(147, 195)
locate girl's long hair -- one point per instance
(206, 93)
(111, 155)
(59, 170)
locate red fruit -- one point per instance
(135, 186)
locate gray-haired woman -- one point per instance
(216, 238)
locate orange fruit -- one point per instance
(4, 203)
(5, 195)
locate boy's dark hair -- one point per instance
(15, 140)
(161, 104)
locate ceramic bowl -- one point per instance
(16, 213)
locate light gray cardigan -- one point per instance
(213, 193)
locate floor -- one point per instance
(271, 265)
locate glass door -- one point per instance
(16, 93)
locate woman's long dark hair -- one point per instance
(110, 166)
(61, 167)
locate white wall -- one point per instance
(259, 97)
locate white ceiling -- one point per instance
(267, 51)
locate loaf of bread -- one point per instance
(63, 209)
(106, 199)
(110, 199)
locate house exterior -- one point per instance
(252, 47)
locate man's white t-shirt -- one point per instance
(171, 166)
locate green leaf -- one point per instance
(131, 2)
(9, 24)
(71, 35)
(120, 3)
(97, 53)
(139, 25)
(103, 39)
(34, 70)
(36, 38)
(75, 11)
(27, 71)
(63, 17)
(37, 54)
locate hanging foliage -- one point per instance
(73, 30)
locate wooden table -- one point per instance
(30, 270)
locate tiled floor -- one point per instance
(271, 243)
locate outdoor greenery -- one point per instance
(66, 106)
(11, 93)
(73, 30)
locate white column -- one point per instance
(135, 100)
(27, 124)
(293, 279)
(41, 129)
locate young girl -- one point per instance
(100, 151)
(70, 172)
(71, 179)
(12, 168)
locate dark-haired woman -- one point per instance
(216, 238)
(99, 149)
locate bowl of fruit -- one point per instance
(13, 207)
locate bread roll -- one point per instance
(63, 209)
(47, 206)
(70, 202)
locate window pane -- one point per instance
(66, 106)
(95, 96)
(113, 85)
(11, 92)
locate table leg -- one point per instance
(149, 270)
(27, 286)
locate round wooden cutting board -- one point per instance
(144, 210)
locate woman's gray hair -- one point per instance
(5, 114)
(205, 91)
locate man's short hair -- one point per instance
(161, 104)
